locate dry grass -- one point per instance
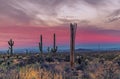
(37, 73)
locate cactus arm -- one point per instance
(12, 43)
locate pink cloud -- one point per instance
(30, 36)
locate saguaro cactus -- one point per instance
(11, 44)
(41, 45)
(48, 49)
(73, 28)
(54, 49)
(26, 51)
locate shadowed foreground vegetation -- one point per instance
(87, 66)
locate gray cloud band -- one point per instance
(24, 11)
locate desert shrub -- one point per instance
(81, 66)
(85, 75)
(32, 60)
(101, 60)
(82, 63)
(109, 71)
(17, 56)
(4, 58)
(108, 57)
(118, 62)
(49, 59)
(1, 61)
(67, 58)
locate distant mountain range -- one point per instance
(60, 50)
(81, 49)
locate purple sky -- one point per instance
(24, 20)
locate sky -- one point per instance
(98, 22)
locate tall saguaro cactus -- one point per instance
(41, 45)
(54, 49)
(11, 44)
(73, 28)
